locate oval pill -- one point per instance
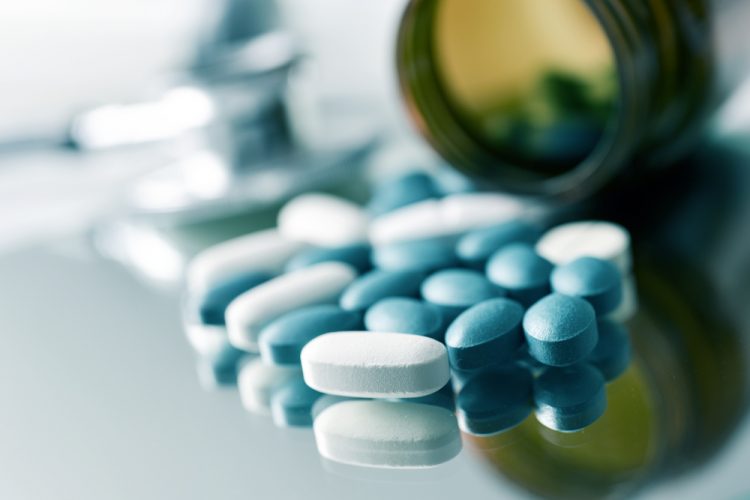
(249, 313)
(391, 434)
(476, 246)
(367, 365)
(594, 280)
(357, 256)
(323, 220)
(208, 305)
(415, 255)
(380, 284)
(416, 221)
(292, 403)
(571, 398)
(604, 240)
(611, 356)
(257, 382)
(282, 340)
(560, 330)
(486, 334)
(455, 290)
(405, 315)
(521, 272)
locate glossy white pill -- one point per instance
(250, 312)
(257, 382)
(604, 240)
(387, 434)
(467, 211)
(323, 220)
(412, 222)
(375, 365)
(265, 251)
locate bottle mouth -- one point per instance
(525, 94)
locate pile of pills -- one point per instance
(390, 328)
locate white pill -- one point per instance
(250, 312)
(604, 240)
(375, 365)
(257, 381)
(387, 434)
(323, 220)
(265, 251)
(416, 221)
(466, 211)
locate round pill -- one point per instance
(386, 365)
(291, 404)
(282, 340)
(560, 330)
(249, 313)
(415, 255)
(257, 382)
(357, 256)
(401, 191)
(405, 315)
(604, 240)
(611, 356)
(323, 220)
(486, 334)
(521, 271)
(208, 305)
(379, 284)
(475, 247)
(571, 398)
(391, 434)
(455, 290)
(597, 281)
(495, 400)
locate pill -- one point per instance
(416, 255)
(611, 356)
(291, 404)
(249, 313)
(379, 284)
(595, 280)
(212, 377)
(604, 240)
(629, 304)
(323, 220)
(357, 256)
(455, 290)
(416, 221)
(449, 181)
(467, 211)
(382, 365)
(208, 305)
(387, 434)
(521, 272)
(476, 246)
(282, 340)
(263, 251)
(486, 334)
(256, 382)
(560, 330)
(495, 400)
(444, 398)
(405, 315)
(401, 191)
(210, 342)
(569, 399)
(326, 400)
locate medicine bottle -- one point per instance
(559, 97)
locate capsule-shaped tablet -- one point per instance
(455, 290)
(357, 256)
(603, 240)
(382, 365)
(476, 246)
(401, 191)
(390, 434)
(467, 211)
(208, 306)
(249, 313)
(486, 334)
(495, 400)
(257, 382)
(571, 398)
(521, 272)
(292, 403)
(611, 356)
(264, 251)
(323, 220)
(379, 284)
(405, 315)
(597, 281)
(282, 340)
(560, 330)
(416, 221)
(415, 255)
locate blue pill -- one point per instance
(455, 290)
(405, 315)
(208, 306)
(282, 340)
(426, 254)
(486, 334)
(475, 247)
(495, 400)
(358, 256)
(292, 403)
(571, 398)
(611, 356)
(595, 280)
(404, 190)
(444, 398)
(377, 285)
(521, 271)
(212, 376)
(560, 330)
